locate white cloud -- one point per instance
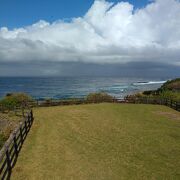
(107, 33)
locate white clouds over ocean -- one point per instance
(107, 33)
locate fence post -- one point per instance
(26, 127)
(29, 121)
(15, 145)
(31, 113)
(11, 148)
(8, 161)
(21, 134)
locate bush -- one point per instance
(169, 90)
(8, 103)
(172, 85)
(148, 93)
(170, 95)
(99, 97)
(22, 99)
(15, 100)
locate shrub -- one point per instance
(169, 90)
(99, 97)
(22, 99)
(170, 95)
(8, 103)
(15, 100)
(172, 85)
(148, 93)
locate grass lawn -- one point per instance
(101, 141)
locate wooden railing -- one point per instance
(144, 100)
(10, 151)
(60, 102)
(137, 100)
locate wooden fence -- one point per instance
(53, 102)
(10, 151)
(144, 100)
(136, 100)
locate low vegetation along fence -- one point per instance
(135, 100)
(144, 100)
(10, 151)
(53, 102)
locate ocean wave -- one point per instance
(148, 83)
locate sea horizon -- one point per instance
(68, 87)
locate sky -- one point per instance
(19, 13)
(90, 38)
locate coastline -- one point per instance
(76, 87)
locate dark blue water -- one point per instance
(75, 87)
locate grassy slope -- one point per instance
(106, 141)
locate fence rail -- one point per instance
(144, 100)
(54, 102)
(136, 100)
(10, 151)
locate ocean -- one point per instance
(76, 87)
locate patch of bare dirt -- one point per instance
(169, 115)
(8, 124)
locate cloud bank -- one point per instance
(108, 33)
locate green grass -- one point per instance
(105, 141)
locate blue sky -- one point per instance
(19, 13)
(86, 37)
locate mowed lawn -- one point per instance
(101, 141)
